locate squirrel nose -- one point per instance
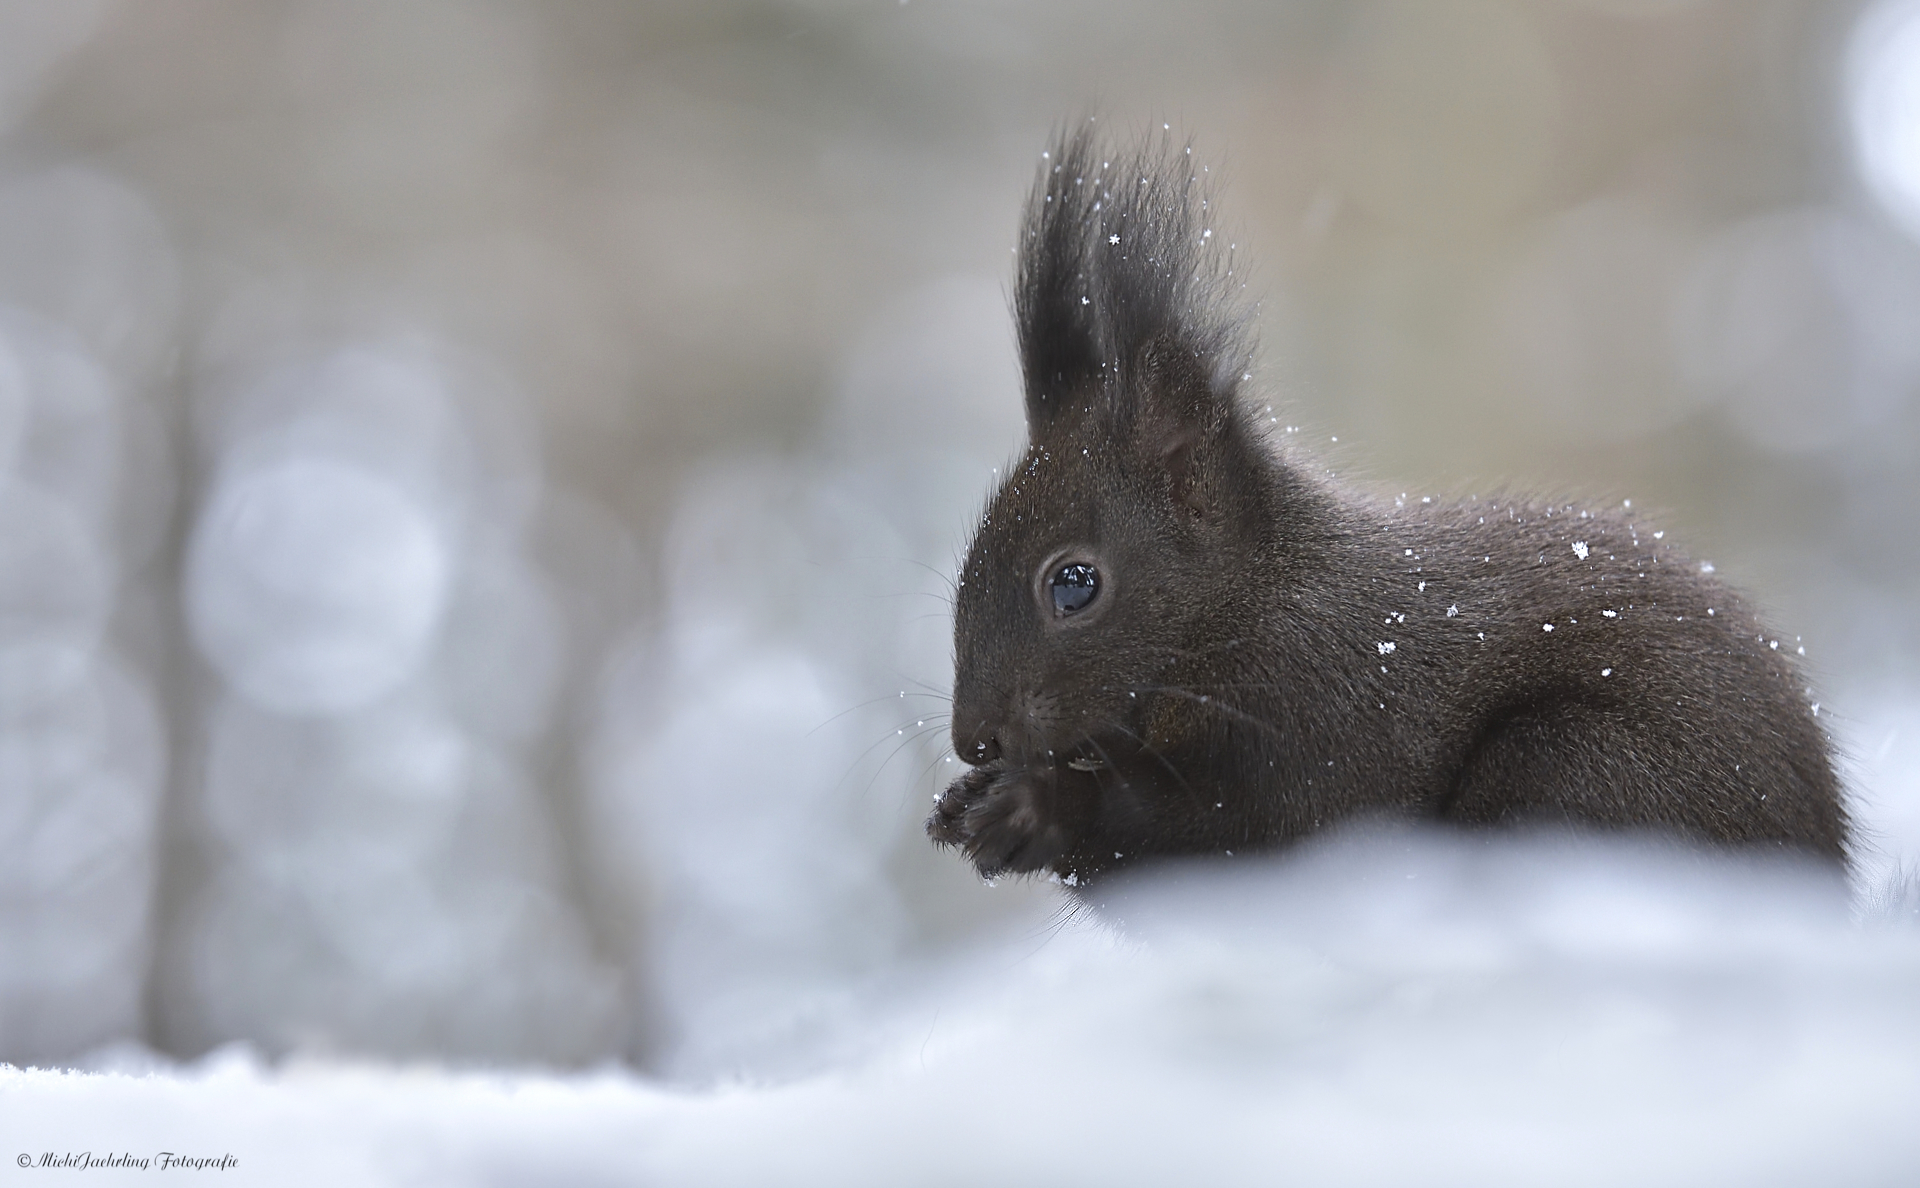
(982, 747)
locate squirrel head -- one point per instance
(1119, 537)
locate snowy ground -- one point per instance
(1389, 1010)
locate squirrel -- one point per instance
(1175, 635)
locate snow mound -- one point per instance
(1379, 1010)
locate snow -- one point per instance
(1377, 1010)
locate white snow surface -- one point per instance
(1392, 1009)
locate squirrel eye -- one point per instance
(1073, 587)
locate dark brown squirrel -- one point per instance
(1174, 635)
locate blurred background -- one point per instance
(477, 480)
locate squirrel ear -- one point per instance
(1124, 302)
(1178, 458)
(1176, 416)
(1060, 333)
(1046, 404)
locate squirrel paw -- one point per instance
(995, 817)
(947, 824)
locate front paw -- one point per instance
(998, 820)
(948, 824)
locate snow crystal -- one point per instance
(1606, 672)
(1546, 626)
(1453, 610)
(1385, 648)
(1580, 549)
(1616, 614)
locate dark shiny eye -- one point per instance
(1073, 587)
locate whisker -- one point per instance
(941, 598)
(852, 708)
(881, 742)
(931, 690)
(1056, 923)
(946, 579)
(1210, 700)
(1192, 795)
(1106, 760)
(905, 742)
(1163, 761)
(932, 764)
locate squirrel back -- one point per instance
(1173, 637)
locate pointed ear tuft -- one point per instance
(1126, 301)
(1053, 300)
